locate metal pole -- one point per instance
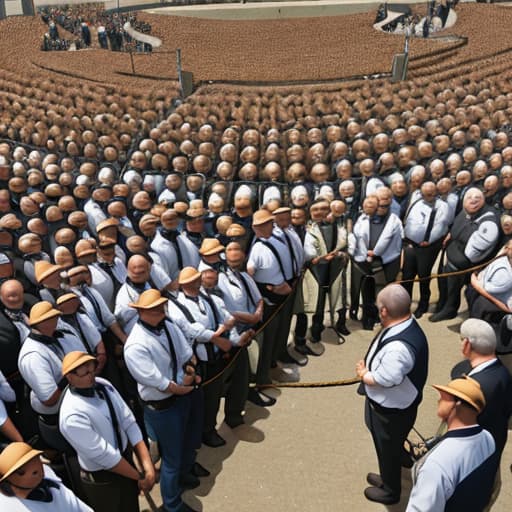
(180, 75)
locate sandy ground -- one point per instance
(311, 451)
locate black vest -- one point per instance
(461, 231)
(416, 341)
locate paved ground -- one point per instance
(311, 451)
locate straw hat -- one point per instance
(466, 389)
(188, 275)
(211, 246)
(80, 269)
(148, 300)
(44, 269)
(107, 223)
(235, 230)
(14, 457)
(262, 217)
(74, 359)
(84, 247)
(42, 311)
(66, 297)
(282, 209)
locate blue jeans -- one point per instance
(176, 430)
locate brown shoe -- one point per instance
(374, 479)
(380, 495)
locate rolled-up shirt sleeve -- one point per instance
(391, 365)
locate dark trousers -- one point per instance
(283, 327)
(236, 385)
(325, 274)
(450, 289)
(212, 392)
(364, 275)
(266, 343)
(177, 430)
(110, 492)
(389, 431)
(419, 261)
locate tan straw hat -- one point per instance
(211, 246)
(42, 311)
(14, 457)
(466, 389)
(262, 217)
(148, 300)
(188, 275)
(74, 359)
(44, 269)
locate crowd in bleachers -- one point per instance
(80, 19)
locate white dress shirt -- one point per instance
(87, 425)
(149, 359)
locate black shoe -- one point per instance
(189, 481)
(199, 471)
(260, 399)
(374, 479)
(341, 328)
(302, 349)
(287, 358)
(213, 440)
(421, 310)
(406, 460)
(234, 422)
(353, 314)
(380, 495)
(443, 315)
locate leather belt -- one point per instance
(161, 405)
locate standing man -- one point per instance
(392, 374)
(479, 350)
(425, 226)
(161, 361)
(271, 267)
(458, 473)
(471, 240)
(100, 427)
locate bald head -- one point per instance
(138, 269)
(395, 299)
(11, 294)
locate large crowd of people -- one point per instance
(155, 255)
(80, 19)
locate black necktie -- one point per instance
(90, 296)
(173, 354)
(107, 267)
(292, 253)
(103, 394)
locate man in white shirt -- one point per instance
(392, 374)
(425, 226)
(458, 473)
(100, 427)
(161, 361)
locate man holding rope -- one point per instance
(392, 375)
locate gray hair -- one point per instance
(480, 334)
(395, 298)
